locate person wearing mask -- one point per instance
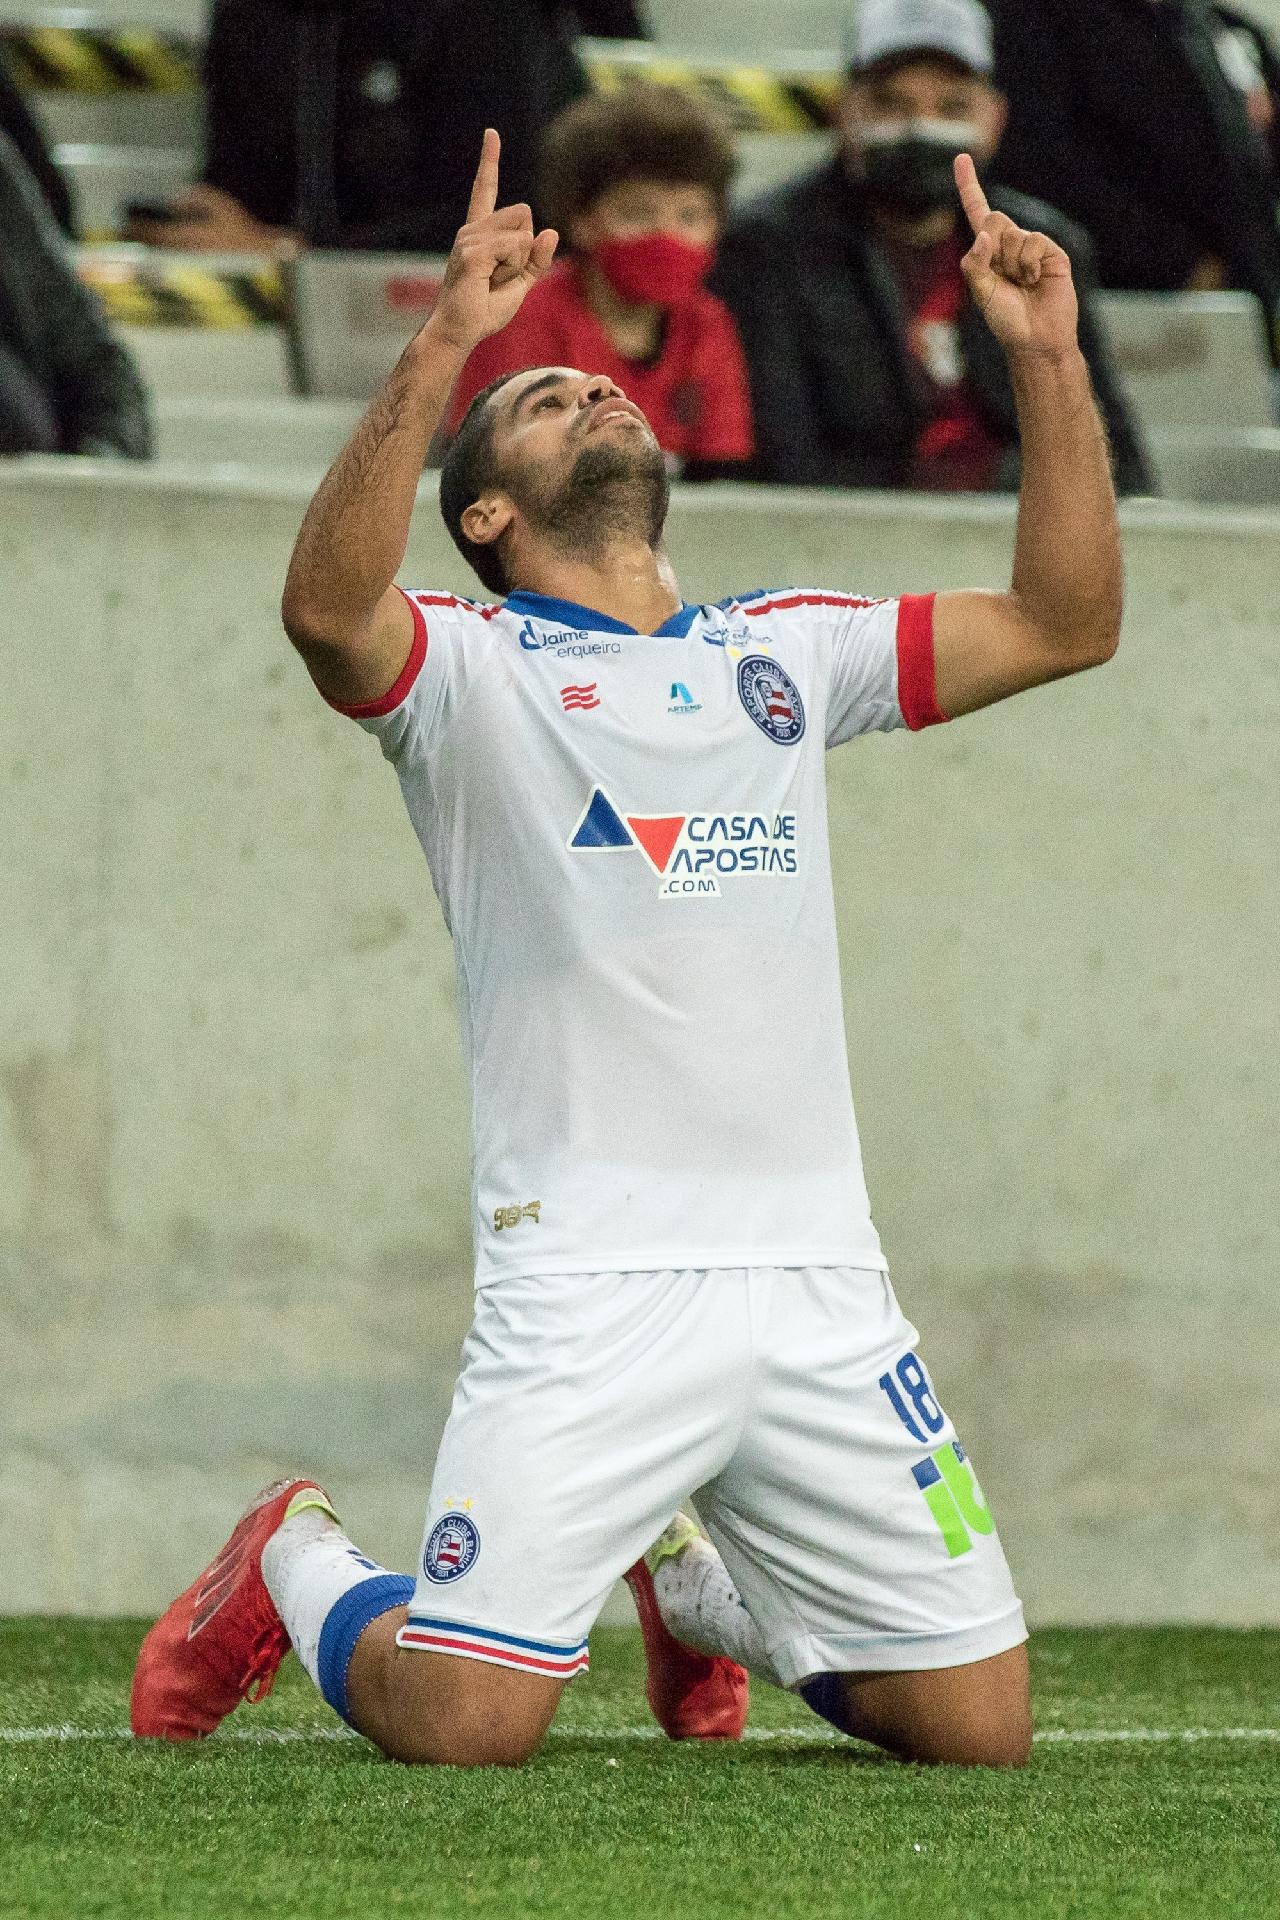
(635, 182)
(870, 363)
(339, 124)
(1148, 121)
(66, 386)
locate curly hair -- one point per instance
(640, 132)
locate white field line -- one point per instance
(623, 1736)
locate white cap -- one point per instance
(885, 29)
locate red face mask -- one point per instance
(658, 269)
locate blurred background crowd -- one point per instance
(803, 321)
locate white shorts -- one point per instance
(788, 1401)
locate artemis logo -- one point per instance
(691, 852)
(682, 701)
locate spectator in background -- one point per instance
(65, 385)
(1138, 120)
(635, 183)
(18, 121)
(405, 91)
(870, 364)
(1250, 62)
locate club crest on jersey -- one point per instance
(691, 852)
(771, 698)
(452, 1549)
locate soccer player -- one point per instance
(621, 800)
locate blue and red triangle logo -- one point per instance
(602, 829)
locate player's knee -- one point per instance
(1000, 1747)
(460, 1741)
(430, 1710)
(1015, 1744)
(1005, 1749)
(1002, 1743)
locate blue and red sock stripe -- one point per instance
(459, 1637)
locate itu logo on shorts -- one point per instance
(452, 1549)
(771, 698)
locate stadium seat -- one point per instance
(1224, 469)
(163, 16)
(1192, 360)
(786, 94)
(263, 432)
(187, 360)
(353, 313)
(197, 323)
(94, 81)
(104, 179)
(750, 27)
(767, 159)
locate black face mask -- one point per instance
(913, 173)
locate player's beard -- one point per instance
(616, 491)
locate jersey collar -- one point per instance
(567, 613)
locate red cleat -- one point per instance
(693, 1696)
(222, 1640)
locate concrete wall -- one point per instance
(233, 1222)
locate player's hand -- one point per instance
(496, 258)
(1021, 281)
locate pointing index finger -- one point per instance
(484, 190)
(972, 198)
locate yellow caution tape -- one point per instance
(752, 99)
(85, 60)
(176, 293)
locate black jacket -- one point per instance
(823, 326)
(18, 121)
(412, 91)
(65, 384)
(1120, 114)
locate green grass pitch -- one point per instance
(611, 1822)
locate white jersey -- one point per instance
(628, 836)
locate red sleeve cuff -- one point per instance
(375, 709)
(917, 683)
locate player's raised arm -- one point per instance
(340, 608)
(1062, 611)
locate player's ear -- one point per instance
(487, 519)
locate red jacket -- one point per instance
(695, 395)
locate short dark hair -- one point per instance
(639, 132)
(470, 467)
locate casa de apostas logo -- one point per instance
(691, 853)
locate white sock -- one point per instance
(309, 1564)
(700, 1604)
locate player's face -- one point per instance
(574, 457)
(547, 419)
